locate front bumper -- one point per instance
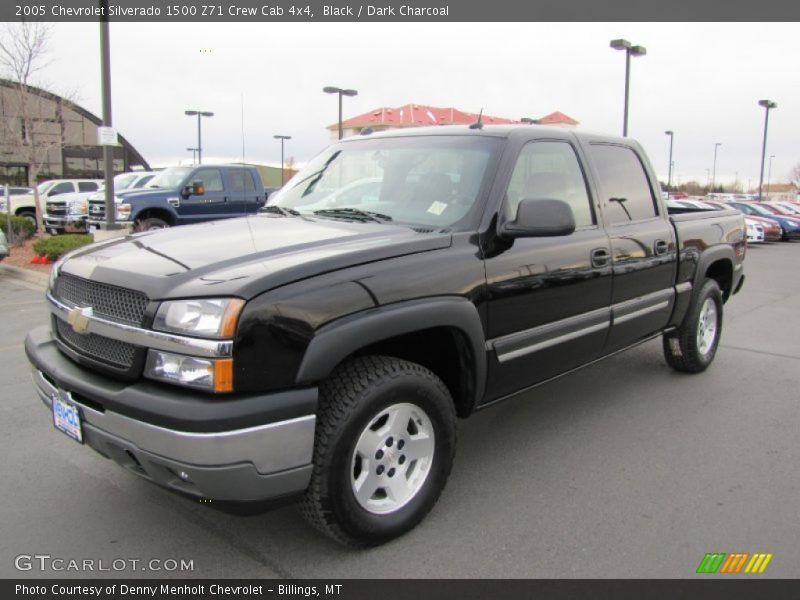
(68, 224)
(265, 459)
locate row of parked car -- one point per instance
(145, 199)
(767, 221)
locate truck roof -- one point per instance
(490, 131)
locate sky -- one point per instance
(700, 80)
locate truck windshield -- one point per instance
(43, 187)
(426, 180)
(170, 178)
(124, 181)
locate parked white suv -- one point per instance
(25, 205)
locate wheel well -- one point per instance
(156, 213)
(721, 271)
(443, 350)
(26, 209)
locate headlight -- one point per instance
(54, 270)
(212, 317)
(201, 373)
(123, 211)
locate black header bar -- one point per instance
(243, 11)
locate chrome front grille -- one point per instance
(57, 209)
(114, 352)
(97, 210)
(108, 301)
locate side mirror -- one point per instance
(543, 217)
(196, 189)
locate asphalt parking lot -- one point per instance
(625, 469)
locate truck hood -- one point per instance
(243, 257)
(145, 192)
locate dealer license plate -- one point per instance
(67, 419)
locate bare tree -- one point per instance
(794, 175)
(30, 129)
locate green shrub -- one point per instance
(21, 228)
(56, 246)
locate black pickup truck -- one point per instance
(325, 347)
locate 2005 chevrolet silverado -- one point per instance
(325, 347)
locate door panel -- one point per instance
(548, 297)
(242, 198)
(643, 248)
(211, 204)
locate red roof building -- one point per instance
(418, 115)
(557, 118)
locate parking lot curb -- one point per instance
(33, 278)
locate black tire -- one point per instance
(350, 400)
(682, 348)
(151, 224)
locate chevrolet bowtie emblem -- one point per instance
(78, 318)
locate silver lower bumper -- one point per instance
(256, 463)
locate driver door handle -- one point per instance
(600, 257)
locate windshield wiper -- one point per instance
(274, 208)
(353, 213)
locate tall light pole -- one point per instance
(630, 50)
(769, 172)
(714, 173)
(767, 104)
(671, 135)
(329, 89)
(194, 154)
(108, 151)
(199, 113)
(282, 138)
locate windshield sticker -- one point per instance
(437, 208)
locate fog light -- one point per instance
(189, 371)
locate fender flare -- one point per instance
(710, 256)
(336, 341)
(165, 207)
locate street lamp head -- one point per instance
(206, 114)
(620, 44)
(190, 113)
(349, 92)
(282, 137)
(768, 104)
(638, 51)
(329, 89)
(669, 133)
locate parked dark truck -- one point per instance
(186, 195)
(325, 347)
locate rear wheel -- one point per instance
(692, 347)
(383, 451)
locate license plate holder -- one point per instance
(67, 418)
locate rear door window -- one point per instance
(624, 187)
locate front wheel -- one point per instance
(692, 347)
(384, 448)
(150, 224)
(30, 216)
